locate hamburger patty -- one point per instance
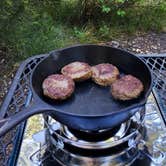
(78, 71)
(58, 86)
(126, 88)
(105, 74)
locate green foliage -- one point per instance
(116, 6)
(32, 27)
(35, 31)
(38, 35)
(163, 6)
(104, 31)
(105, 9)
(121, 13)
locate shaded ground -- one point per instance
(7, 71)
(149, 43)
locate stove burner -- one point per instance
(80, 152)
(72, 147)
(123, 145)
(97, 136)
(64, 157)
(102, 139)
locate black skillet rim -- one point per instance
(137, 105)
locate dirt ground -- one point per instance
(143, 44)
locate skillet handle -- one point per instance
(8, 123)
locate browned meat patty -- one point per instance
(78, 71)
(58, 86)
(126, 88)
(105, 74)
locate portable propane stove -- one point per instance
(139, 141)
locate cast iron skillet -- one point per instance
(91, 107)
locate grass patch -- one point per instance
(32, 36)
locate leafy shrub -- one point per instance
(93, 9)
(28, 29)
(104, 31)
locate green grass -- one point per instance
(35, 36)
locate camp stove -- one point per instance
(126, 144)
(138, 141)
(104, 147)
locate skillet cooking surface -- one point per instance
(90, 99)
